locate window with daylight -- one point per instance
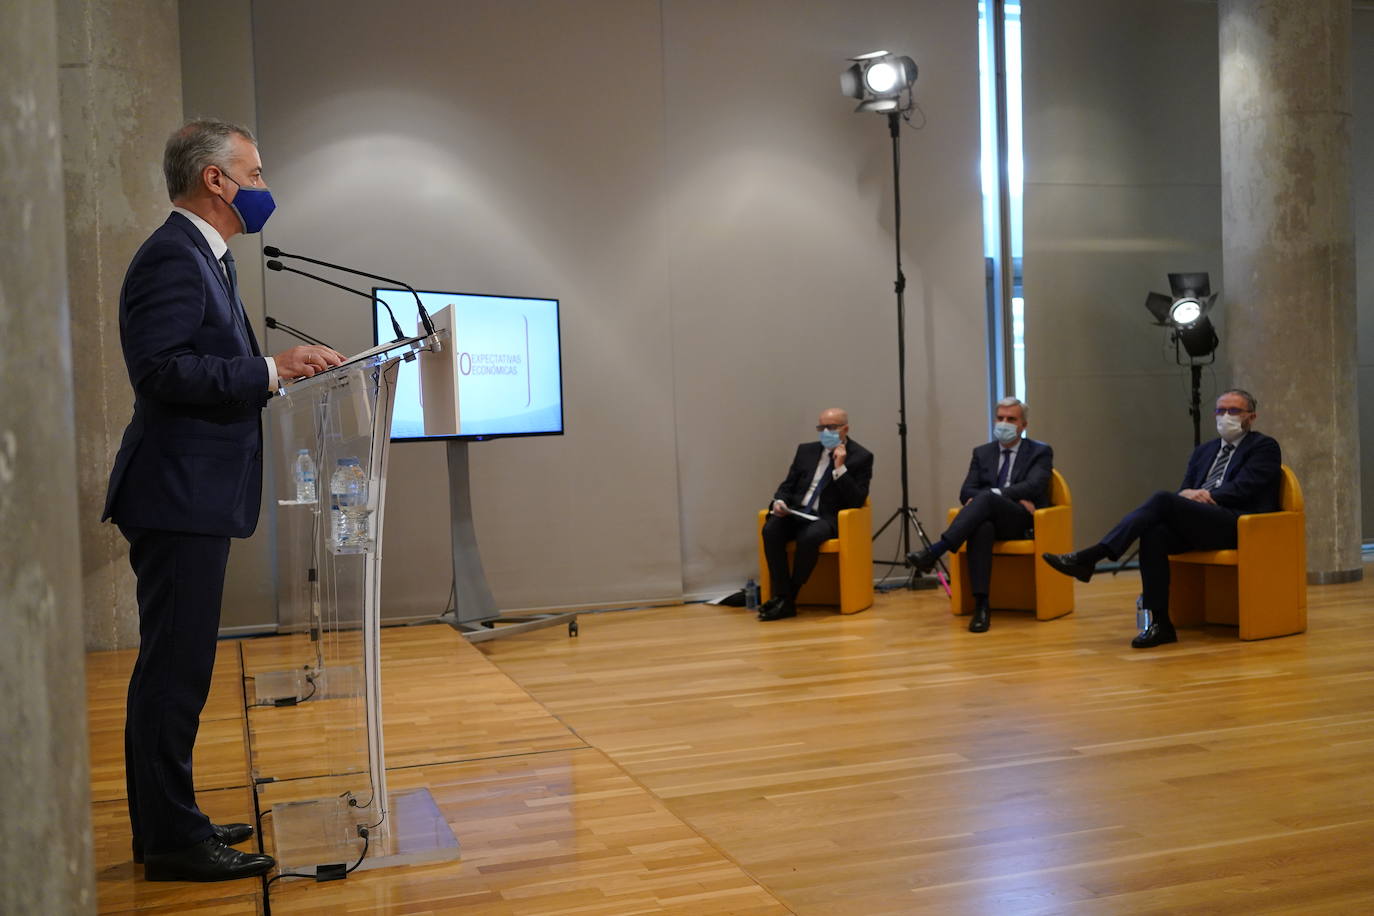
(999, 67)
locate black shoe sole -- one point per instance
(1077, 572)
(225, 836)
(152, 873)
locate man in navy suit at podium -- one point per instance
(1234, 475)
(826, 476)
(187, 478)
(1008, 479)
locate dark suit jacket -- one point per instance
(849, 492)
(1030, 474)
(1251, 481)
(191, 457)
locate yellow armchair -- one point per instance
(1021, 580)
(844, 572)
(1261, 586)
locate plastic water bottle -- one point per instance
(348, 498)
(751, 595)
(305, 477)
(1142, 614)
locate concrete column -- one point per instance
(45, 847)
(121, 98)
(1288, 251)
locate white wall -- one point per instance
(686, 178)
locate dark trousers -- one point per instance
(1168, 523)
(777, 532)
(986, 518)
(180, 584)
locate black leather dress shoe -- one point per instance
(982, 619)
(785, 608)
(1070, 564)
(770, 606)
(208, 860)
(923, 561)
(229, 835)
(1156, 634)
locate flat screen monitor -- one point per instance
(510, 371)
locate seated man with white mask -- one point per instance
(1235, 475)
(825, 477)
(1008, 479)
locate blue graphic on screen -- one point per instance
(510, 375)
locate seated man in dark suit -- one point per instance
(1008, 479)
(825, 477)
(1234, 475)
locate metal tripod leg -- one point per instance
(941, 570)
(911, 521)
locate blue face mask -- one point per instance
(253, 206)
(1006, 433)
(830, 438)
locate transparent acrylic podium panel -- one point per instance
(316, 727)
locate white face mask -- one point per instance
(1006, 433)
(1229, 427)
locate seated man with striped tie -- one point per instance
(1008, 479)
(825, 477)
(1234, 475)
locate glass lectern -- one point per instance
(329, 554)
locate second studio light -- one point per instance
(1185, 311)
(878, 79)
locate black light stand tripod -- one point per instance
(905, 512)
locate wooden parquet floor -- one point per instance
(890, 762)
(692, 760)
(547, 823)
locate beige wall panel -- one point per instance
(495, 148)
(781, 225)
(1122, 187)
(716, 222)
(1105, 388)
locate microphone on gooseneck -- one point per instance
(395, 325)
(272, 251)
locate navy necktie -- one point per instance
(231, 271)
(1002, 471)
(240, 317)
(1219, 467)
(815, 500)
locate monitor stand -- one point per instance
(475, 614)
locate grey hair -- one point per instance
(1016, 402)
(195, 145)
(1250, 402)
